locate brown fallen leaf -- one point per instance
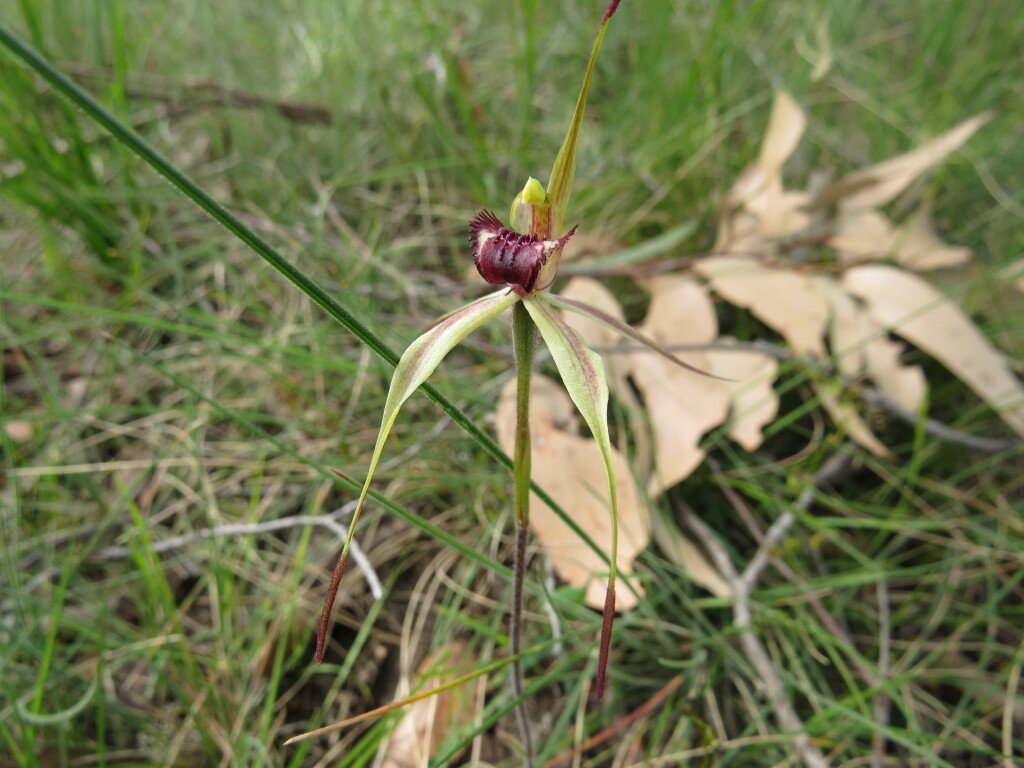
(876, 185)
(739, 233)
(680, 312)
(860, 236)
(752, 400)
(847, 336)
(849, 342)
(676, 304)
(781, 213)
(907, 305)
(569, 468)
(904, 384)
(786, 300)
(861, 346)
(681, 406)
(19, 431)
(759, 211)
(920, 248)
(758, 208)
(845, 414)
(868, 235)
(427, 724)
(786, 126)
(991, 296)
(796, 307)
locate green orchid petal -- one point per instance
(582, 308)
(415, 365)
(564, 169)
(583, 374)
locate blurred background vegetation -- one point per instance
(160, 380)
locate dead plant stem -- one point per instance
(743, 584)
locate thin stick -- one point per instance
(330, 522)
(742, 585)
(826, 618)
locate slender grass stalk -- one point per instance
(523, 339)
(420, 696)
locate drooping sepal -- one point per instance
(582, 372)
(414, 367)
(525, 263)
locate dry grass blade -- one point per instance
(379, 711)
(428, 722)
(641, 711)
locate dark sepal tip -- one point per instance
(332, 592)
(607, 619)
(325, 613)
(613, 6)
(321, 629)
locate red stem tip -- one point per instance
(613, 6)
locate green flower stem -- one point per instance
(523, 339)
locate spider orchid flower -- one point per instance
(523, 260)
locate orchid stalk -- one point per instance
(523, 259)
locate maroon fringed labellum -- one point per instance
(523, 262)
